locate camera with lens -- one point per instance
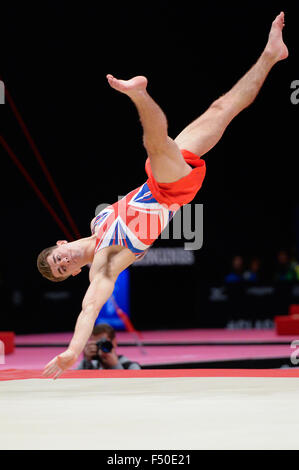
(104, 345)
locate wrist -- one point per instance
(73, 351)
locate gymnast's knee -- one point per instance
(223, 108)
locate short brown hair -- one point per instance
(104, 328)
(44, 267)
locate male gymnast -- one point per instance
(175, 174)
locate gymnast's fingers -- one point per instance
(50, 367)
(49, 371)
(58, 373)
(54, 371)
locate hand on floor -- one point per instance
(60, 363)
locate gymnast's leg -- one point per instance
(167, 162)
(204, 133)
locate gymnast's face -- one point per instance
(64, 260)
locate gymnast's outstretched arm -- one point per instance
(99, 291)
(105, 269)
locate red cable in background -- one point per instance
(127, 322)
(35, 188)
(122, 315)
(42, 163)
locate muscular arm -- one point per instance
(99, 291)
(104, 271)
(103, 278)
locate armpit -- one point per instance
(118, 262)
(92, 225)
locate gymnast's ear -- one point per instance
(76, 272)
(61, 242)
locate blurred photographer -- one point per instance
(100, 351)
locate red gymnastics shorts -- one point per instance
(183, 190)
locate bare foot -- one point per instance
(129, 87)
(275, 47)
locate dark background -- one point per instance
(54, 60)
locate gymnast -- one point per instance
(123, 232)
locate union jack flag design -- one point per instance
(135, 221)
